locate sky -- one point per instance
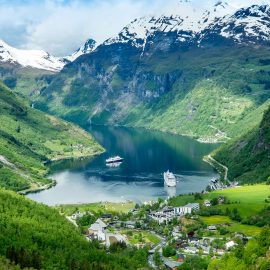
(61, 26)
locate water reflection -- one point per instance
(146, 154)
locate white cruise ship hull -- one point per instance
(169, 180)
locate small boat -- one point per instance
(116, 159)
(169, 179)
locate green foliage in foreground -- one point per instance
(28, 138)
(34, 235)
(195, 262)
(254, 256)
(248, 157)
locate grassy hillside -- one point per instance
(208, 93)
(25, 80)
(34, 235)
(254, 256)
(245, 209)
(248, 157)
(29, 138)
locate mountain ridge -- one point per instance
(136, 79)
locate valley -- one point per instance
(186, 89)
(29, 139)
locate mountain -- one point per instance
(86, 48)
(185, 28)
(247, 157)
(29, 58)
(36, 236)
(28, 71)
(202, 75)
(30, 138)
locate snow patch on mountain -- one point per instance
(187, 24)
(246, 24)
(29, 58)
(88, 47)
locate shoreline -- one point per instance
(212, 162)
(200, 139)
(53, 183)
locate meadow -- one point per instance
(248, 200)
(100, 207)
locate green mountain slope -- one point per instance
(29, 138)
(201, 92)
(254, 256)
(34, 235)
(248, 157)
(24, 80)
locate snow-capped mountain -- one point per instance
(88, 47)
(29, 58)
(186, 25)
(248, 24)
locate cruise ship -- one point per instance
(116, 159)
(169, 179)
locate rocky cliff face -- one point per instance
(155, 62)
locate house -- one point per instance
(206, 250)
(207, 203)
(230, 245)
(77, 215)
(181, 258)
(192, 250)
(187, 209)
(106, 216)
(130, 224)
(173, 265)
(221, 200)
(212, 228)
(162, 216)
(97, 230)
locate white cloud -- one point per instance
(60, 27)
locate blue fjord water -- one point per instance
(147, 154)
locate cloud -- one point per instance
(61, 26)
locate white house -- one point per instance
(187, 209)
(77, 215)
(230, 245)
(207, 203)
(212, 228)
(191, 250)
(97, 230)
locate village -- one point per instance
(170, 234)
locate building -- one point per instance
(130, 224)
(207, 203)
(221, 200)
(97, 230)
(164, 215)
(230, 245)
(181, 258)
(187, 209)
(212, 228)
(191, 250)
(77, 215)
(173, 265)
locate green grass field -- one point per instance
(106, 207)
(140, 237)
(232, 225)
(249, 200)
